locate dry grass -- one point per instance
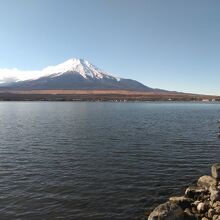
(80, 92)
(100, 95)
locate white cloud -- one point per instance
(13, 75)
(80, 66)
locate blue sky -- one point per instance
(172, 44)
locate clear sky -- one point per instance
(168, 44)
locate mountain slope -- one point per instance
(76, 74)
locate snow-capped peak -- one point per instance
(80, 66)
(74, 66)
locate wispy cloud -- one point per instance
(13, 75)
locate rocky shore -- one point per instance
(200, 202)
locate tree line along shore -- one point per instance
(117, 96)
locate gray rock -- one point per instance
(215, 196)
(211, 213)
(216, 171)
(217, 210)
(211, 203)
(216, 217)
(206, 181)
(215, 193)
(202, 207)
(217, 203)
(195, 191)
(196, 203)
(194, 210)
(189, 215)
(167, 211)
(182, 201)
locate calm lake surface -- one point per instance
(83, 160)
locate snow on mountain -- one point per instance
(75, 66)
(73, 74)
(79, 66)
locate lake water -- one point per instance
(83, 160)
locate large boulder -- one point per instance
(189, 215)
(202, 207)
(181, 201)
(216, 171)
(215, 194)
(195, 192)
(167, 211)
(206, 181)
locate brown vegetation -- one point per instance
(100, 95)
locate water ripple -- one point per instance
(101, 160)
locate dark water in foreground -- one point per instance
(62, 160)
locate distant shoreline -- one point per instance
(101, 95)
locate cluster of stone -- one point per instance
(200, 202)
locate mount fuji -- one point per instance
(73, 74)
